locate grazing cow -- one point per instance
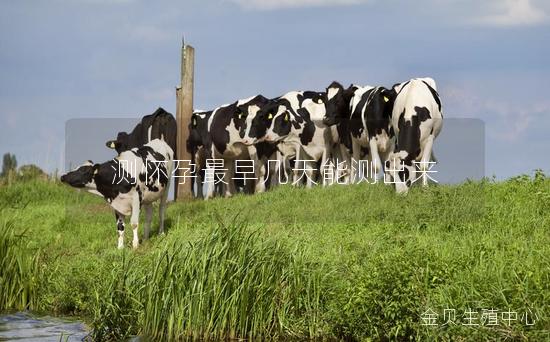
(294, 122)
(370, 126)
(338, 112)
(417, 120)
(135, 177)
(159, 125)
(226, 142)
(196, 146)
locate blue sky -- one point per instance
(63, 59)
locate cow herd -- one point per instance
(306, 137)
(301, 137)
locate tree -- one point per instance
(9, 163)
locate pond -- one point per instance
(23, 326)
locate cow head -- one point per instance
(198, 128)
(399, 170)
(122, 142)
(379, 112)
(271, 123)
(245, 112)
(337, 101)
(82, 176)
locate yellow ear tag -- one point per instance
(240, 116)
(319, 101)
(286, 117)
(112, 144)
(194, 122)
(386, 99)
(96, 171)
(270, 116)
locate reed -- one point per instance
(229, 284)
(19, 269)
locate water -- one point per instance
(25, 327)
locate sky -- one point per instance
(72, 59)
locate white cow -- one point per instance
(417, 120)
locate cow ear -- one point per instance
(111, 144)
(388, 95)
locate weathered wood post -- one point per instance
(184, 110)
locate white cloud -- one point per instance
(514, 13)
(494, 13)
(278, 4)
(507, 121)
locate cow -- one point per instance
(362, 115)
(338, 112)
(417, 120)
(370, 128)
(159, 125)
(136, 177)
(196, 146)
(225, 142)
(294, 121)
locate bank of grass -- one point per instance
(345, 262)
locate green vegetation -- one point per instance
(346, 262)
(9, 164)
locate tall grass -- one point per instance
(229, 284)
(352, 263)
(19, 268)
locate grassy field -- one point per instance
(345, 262)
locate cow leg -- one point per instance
(384, 156)
(162, 209)
(120, 229)
(344, 158)
(134, 220)
(325, 158)
(199, 183)
(211, 184)
(426, 158)
(297, 166)
(375, 158)
(284, 169)
(356, 156)
(148, 219)
(310, 172)
(259, 172)
(228, 176)
(260, 177)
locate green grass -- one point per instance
(344, 262)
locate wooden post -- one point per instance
(184, 110)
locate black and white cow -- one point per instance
(294, 122)
(338, 113)
(370, 127)
(226, 142)
(417, 120)
(135, 177)
(159, 125)
(362, 115)
(196, 146)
